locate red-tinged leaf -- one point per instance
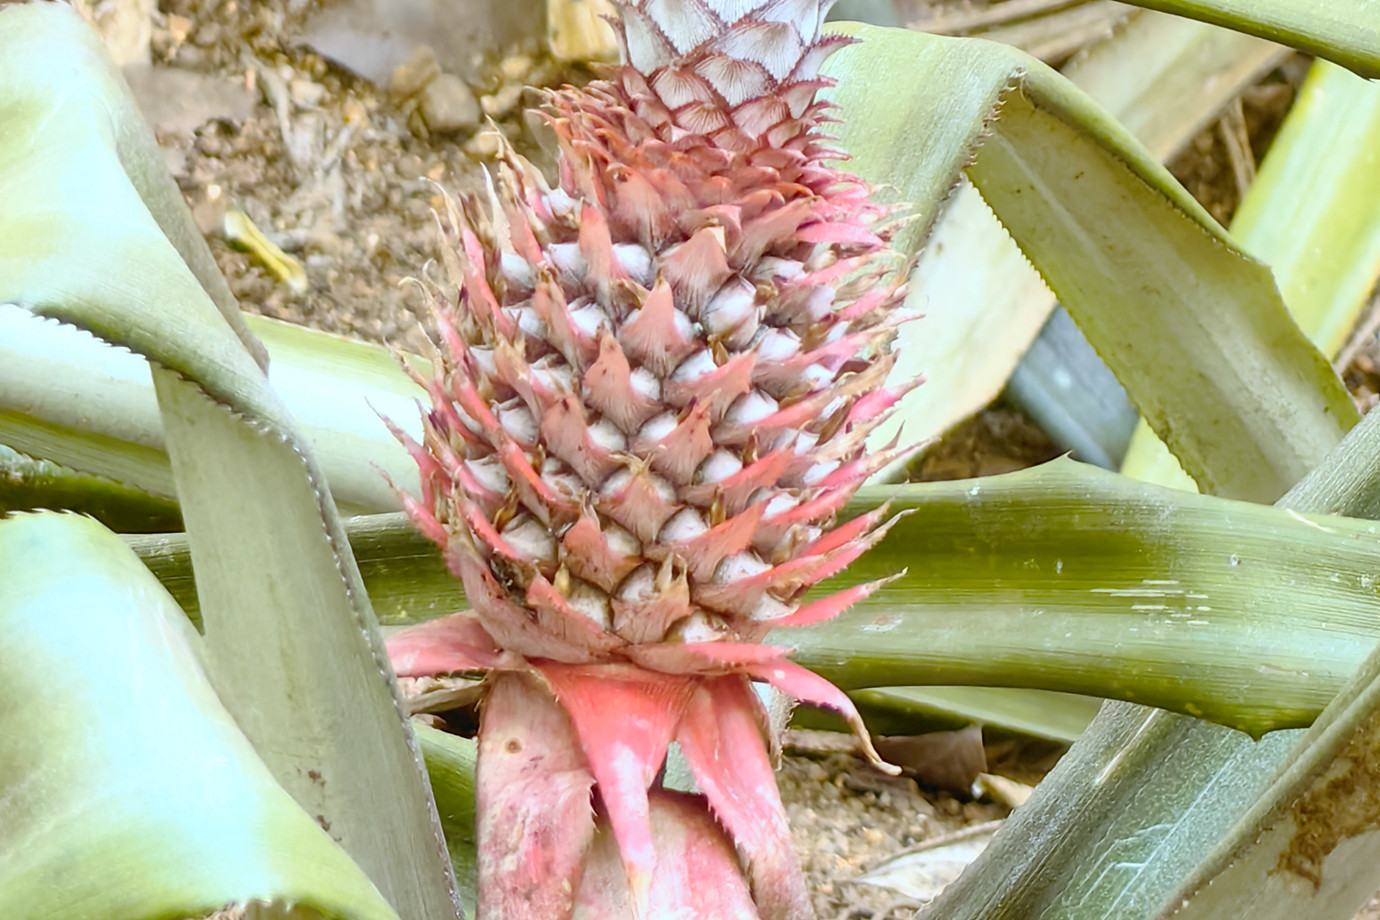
(483, 530)
(591, 556)
(698, 876)
(609, 388)
(807, 686)
(697, 268)
(704, 552)
(648, 604)
(659, 336)
(737, 490)
(716, 389)
(702, 657)
(826, 608)
(721, 738)
(596, 245)
(839, 232)
(820, 508)
(535, 491)
(793, 417)
(423, 518)
(458, 642)
(556, 616)
(480, 297)
(638, 501)
(624, 718)
(873, 404)
(847, 532)
(567, 435)
(677, 455)
(532, 798)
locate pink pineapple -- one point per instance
(651, 400)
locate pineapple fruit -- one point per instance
(651, 397)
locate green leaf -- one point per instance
(1144, 798)
(1207, 351)
(1344, 31)
(27, 484)
(127, 792)
(1309, 214)
(291, 643)
(450, 761)
(983, 304)
(1042, 713)
(1308, 845)
(67, 397)
(1063, 577)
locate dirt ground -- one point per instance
(342, 175)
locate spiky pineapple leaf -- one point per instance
(27, 484)
(1310, 214)
(290, 642)
(1309, 846)
(1148, 805)
(1168, 791)
(450, 761)
(1193, 328)
(983, 303)
(1344, 31)
(68, 398)
(127, 792)
(1097, 590)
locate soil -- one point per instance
(343, 178)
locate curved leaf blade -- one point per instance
(1310, 215)
(1207, 351)
(128, 792)
(1097, 591)
(1346, 32)
(983, 304)
(292, 647)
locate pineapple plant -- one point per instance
(651, 397)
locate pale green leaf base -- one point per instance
(126, 790)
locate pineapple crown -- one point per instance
(725, 67)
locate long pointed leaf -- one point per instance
(983, 303)
(1207, 351)
(1344, 31)
(1107, 587)
(27, 484)
(1145, 797)
(127, 792)
(291, 642)
(1311, 215)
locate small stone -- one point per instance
(502, 102)
(485, 145)
(179, 27)
(305, 94)
(447, 105)
(126, 26)
(413, 75)
(515, 67)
